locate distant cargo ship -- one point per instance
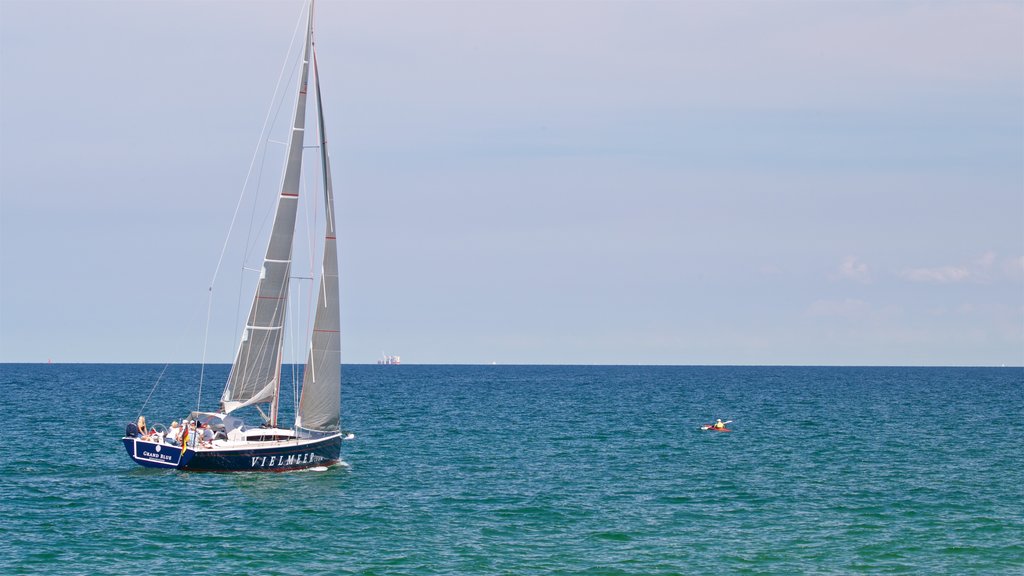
(387, 359)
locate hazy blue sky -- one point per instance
(533, 182)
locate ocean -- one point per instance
(535, 470)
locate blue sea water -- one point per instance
(536, 470)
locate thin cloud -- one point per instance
(938, 275)
(853, 269)
(978, 271)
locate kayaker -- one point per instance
(719, 425)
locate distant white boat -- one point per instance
(389, 359)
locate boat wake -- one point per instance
(338, 464)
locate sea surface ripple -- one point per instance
(536, 470)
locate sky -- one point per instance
(527, 182)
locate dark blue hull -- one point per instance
(274, 457)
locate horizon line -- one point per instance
(612, 365)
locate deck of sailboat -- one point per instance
(247, 444)
(234, 445)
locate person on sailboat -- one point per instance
(174, 433)
(719, 425)
(143, 431)
(206, 434)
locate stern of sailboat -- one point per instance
(156, 454)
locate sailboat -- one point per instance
(219, 440)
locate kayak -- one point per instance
(712, 428)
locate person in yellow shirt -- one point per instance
(719, 424)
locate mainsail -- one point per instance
(256, 372)
(320, 404)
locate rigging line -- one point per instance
(321, 131)
(249, 359)
(277, 339)
(245, 184)
(325, 157)
(311, 235)
(310, 249)
(252, 162)
(294, 139)
(295, 345)
(296, 324)
(180, 344)
(153, 389)
(258, 357)
(275, 106)
(263, 159)
(206, 338)
(297, 295)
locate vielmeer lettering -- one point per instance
(282, 460)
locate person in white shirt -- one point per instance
(174, 433)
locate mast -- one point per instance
(320, 404)
(256, 372)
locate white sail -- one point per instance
(255, 374)
(320, 403)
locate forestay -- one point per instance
(255, 374)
